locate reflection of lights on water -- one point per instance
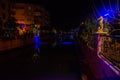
(36, 40)
(36, 55)
(36, 46)
(66, 43)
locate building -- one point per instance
(26, 13)
(4, 12)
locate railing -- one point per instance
(107, 46)
(110, 49)
(92, 41)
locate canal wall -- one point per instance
(10, 44)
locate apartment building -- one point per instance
(26, 13)
(4, 12)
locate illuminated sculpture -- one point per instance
(100, 28)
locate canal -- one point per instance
(62, 60)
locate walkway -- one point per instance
(100, 70)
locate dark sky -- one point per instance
(65, 14)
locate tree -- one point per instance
(87, 28)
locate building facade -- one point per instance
(21, 17)
(4, 12)
(26, 13)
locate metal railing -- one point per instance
(109, 47)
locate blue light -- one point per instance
(106, 14)
(22, 25)
(107, 10)
(36, 46)
(66, 43)
(36, 39)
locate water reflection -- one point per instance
(36, 56)
(66, 43)
(38, 43)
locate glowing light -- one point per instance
(106, 14)
(36, 46)
(22, 25)
(36, 39)
(66, 43)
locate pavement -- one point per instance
(99, 69)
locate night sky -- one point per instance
(64, 14)
(67, 14)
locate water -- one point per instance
(41, 61)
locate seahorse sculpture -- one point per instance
(100, 28)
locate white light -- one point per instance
(106, 14)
